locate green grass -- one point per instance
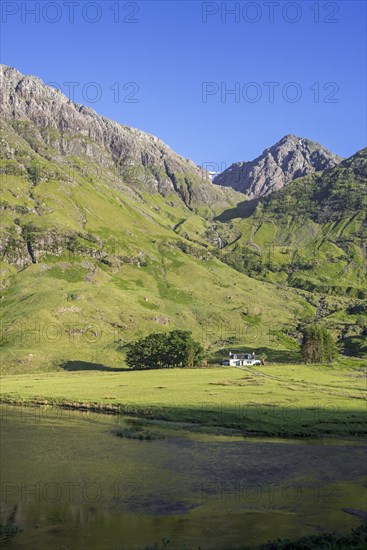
(139, 263)
(311, 234)
(142, 263)
(280, 400)
(355, 540)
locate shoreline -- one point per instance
(157, 416)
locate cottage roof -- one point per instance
(242, 356)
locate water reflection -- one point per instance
(70, 483)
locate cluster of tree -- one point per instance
(164, 350)
(318, 345)
(245, 261)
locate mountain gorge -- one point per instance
(107, 235)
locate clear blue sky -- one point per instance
(174, 48)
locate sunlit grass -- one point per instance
(290, 400)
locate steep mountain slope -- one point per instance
(330, 196)
(288, 159)
(91, 259)
(312, 235)
(60, 130)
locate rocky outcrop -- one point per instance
(290, 158)
(61, 128)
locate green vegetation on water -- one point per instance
(137, 432)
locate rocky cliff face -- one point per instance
(290, 158)
(140, 160)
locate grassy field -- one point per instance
(279, 400)
(113, 266)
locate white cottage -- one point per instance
(241, 360)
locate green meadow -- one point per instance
(91, 262)
(279, 400)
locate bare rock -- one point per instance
(290, 158)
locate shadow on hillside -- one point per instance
(242, 210)
(84, 365)
(281, 355)
(272, 355)
(355, 346)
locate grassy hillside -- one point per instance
(312, 235)
(99, 248)
(326, 196)
(88, 265)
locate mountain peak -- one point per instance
(289, 158)
(136, 160)
(289, 137)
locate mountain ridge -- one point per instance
(73, 129)
(310, 234)
(289, 158)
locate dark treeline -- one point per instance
(164, 350)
